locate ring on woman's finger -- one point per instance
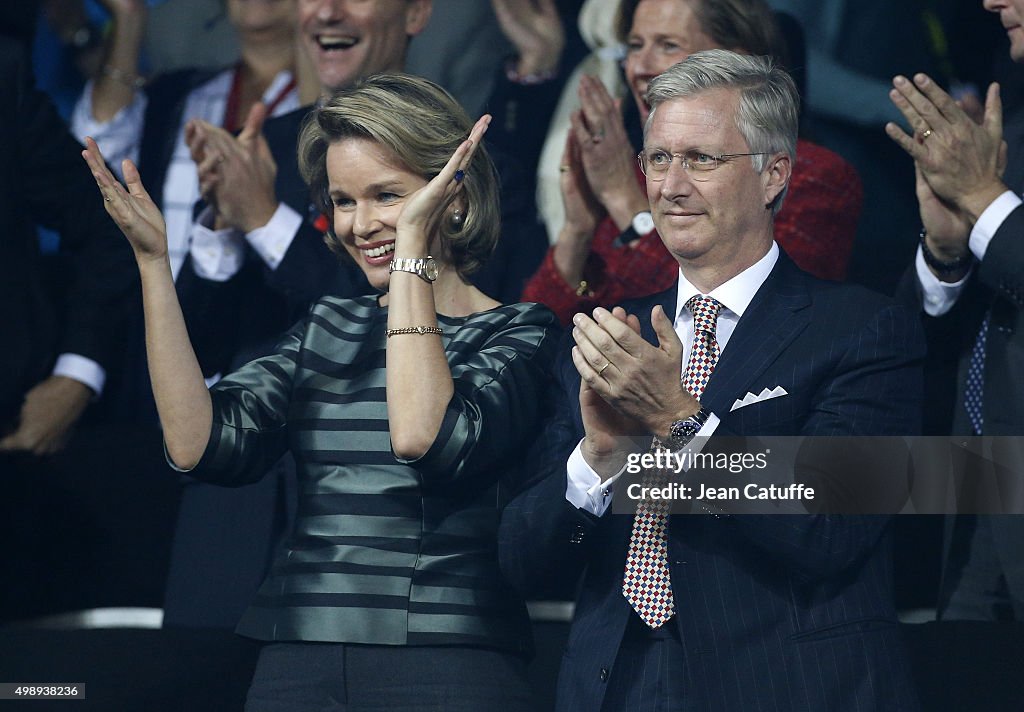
(459, 175)
(106, 199)
(600, 371)
(926, 134)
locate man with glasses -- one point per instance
(717, 609)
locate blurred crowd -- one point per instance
(207, 97)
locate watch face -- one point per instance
(643, 223)
(684, 429)
(430, 269)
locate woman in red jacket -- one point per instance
(608, 249)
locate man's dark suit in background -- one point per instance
(84, 527)
(983, 574)
(968, 276)
(44, 181)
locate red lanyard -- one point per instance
(231, 118)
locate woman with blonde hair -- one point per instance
(403, 410)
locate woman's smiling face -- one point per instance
(663, 33)
(368, 187)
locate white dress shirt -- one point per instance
(82, 369)
(219, 254)
(585, 490)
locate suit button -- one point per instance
(604, 675)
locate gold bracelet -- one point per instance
(414, 330)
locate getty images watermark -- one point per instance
(824, 475)
(678, 462)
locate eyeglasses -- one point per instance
(655, 163)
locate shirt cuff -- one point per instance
(708, 429)
(118, 138)
(272, 241)
(938, 297)
(82, 369)
(584, 488)
(217, 255)
(990, 221)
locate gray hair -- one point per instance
(768, 108)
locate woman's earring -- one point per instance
(457, 218)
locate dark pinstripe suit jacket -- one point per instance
(995, 287)
(779, 612)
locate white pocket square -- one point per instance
(766, 394)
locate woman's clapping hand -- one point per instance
(131, 208)
(425, 208)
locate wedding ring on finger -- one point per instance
(925, 134)
(600, 371)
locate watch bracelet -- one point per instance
(941, 266)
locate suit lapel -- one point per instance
(167, 98)
(1013, 133)
(641, 308)
(282, 134)
(666, 299)
(775, 317)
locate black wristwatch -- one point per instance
(681, 432)
(643, 223)
(942, 267)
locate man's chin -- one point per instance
(336, 74)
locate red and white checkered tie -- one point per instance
(646, 584)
